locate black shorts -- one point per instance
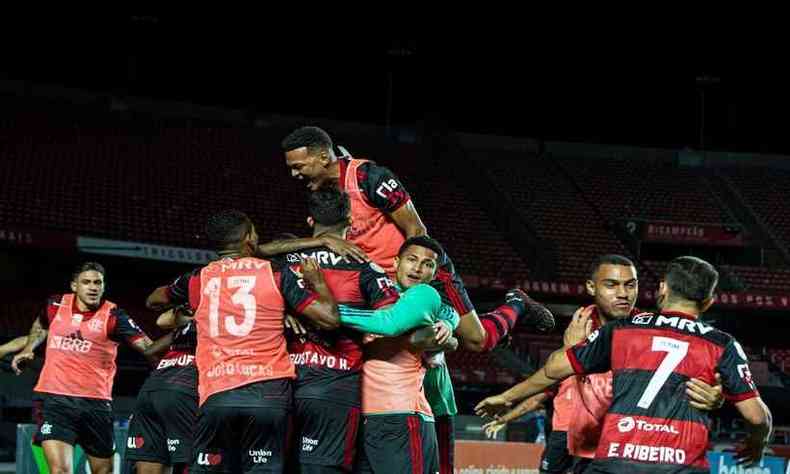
(397, 444)
(162, 427)
(326, 433)
(445, 437)
(77, 420)
(245, 429)
(555, 457)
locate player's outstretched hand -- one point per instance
(492, 428)
(295, 325)
(344, 248)
(492, 406)
(19, 361)
(750, 452)
(579, 327)
(443, 332)
(311, 272)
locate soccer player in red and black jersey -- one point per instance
(327, 391)
(580, 402)
(83, 331)
(383, 217)
(244, 370)
(651, 426)
(162, 424)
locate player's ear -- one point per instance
(73, 286)
(310, 222)
(662, 288)
(590, 285)
(396, 260)
(325, 158)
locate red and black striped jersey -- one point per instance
(650, 425)
(328, 362)
(176, 369)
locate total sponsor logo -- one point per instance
(46, 428)
(259, 456)
(182, 360)
(135, 442)
(218, 352)
(209, 459)
(70, 343)
(628, 424)
(313, 358)
(641, 452)
(247, 370)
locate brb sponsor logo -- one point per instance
(46, 428)
(70, 344)
(135, 442)
(628, 424)
(259, 456)
(209, 459)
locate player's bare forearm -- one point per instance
(37, 335)
(13, 346)
(759, 423)
(424, 339)
(174, 318)
(287, 245)
(141, 345)
(530, 404)
(451, 345)
(557, 368)
(158, 347)
(323, 310)
(757, 415)
(408, 221)
(470, 332)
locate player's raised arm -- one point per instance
(339, 246)
(307, 293)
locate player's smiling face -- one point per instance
(310, 167)
(615, 289)
(416, 265)
(89, 287)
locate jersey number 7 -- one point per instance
(676, 352)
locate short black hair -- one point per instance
(313, 138)
(86, 267)
(424, 241)
(691, 278)
(609, 259)
(227, 227)
(329, 206)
